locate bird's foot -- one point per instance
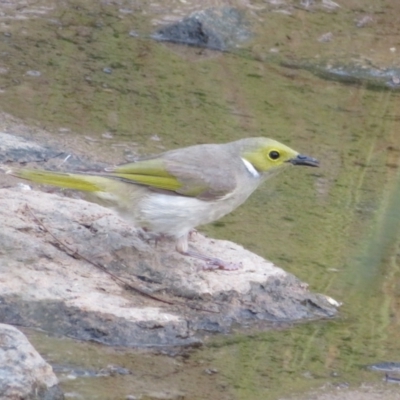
(216, 263)
(213, 263)
(149, 237)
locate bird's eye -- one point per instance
(274, 155)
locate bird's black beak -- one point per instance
(304, 160)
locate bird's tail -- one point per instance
(87, 183)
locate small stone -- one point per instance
(23, 186)
(342, 385)
(363, 21)
(395, 80)
(90, 139)
(64, 130)
(112, 370)
(330, 5)
(33, 73)
(326, 37)
(306, 3)
(125, 11)
(211, 371)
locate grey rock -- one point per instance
(213, 28)
(23, 372)
(15, 149)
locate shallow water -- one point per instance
(336, 228)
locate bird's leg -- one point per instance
(192, 234)
(211, 262)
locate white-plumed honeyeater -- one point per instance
(172, 193)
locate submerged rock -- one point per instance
(214, 28)
(370, 77)
(70, 267)
(385, 366)
(23, 372)
(68, 372)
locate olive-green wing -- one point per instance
(204, 172)
(150, 173)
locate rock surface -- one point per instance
(23, 372)
(55, 254)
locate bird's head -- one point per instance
(268, 155)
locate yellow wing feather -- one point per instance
(70, 181)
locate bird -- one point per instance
(170, 194)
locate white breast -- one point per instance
(176, 215)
